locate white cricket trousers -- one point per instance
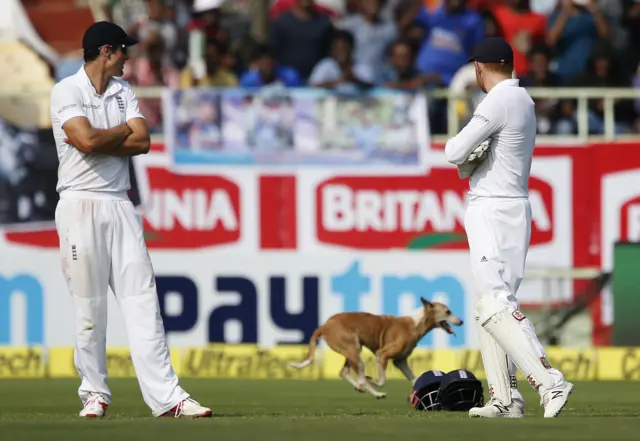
(102, 245)
(498, 232)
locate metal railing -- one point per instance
(581, 95)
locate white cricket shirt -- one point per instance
(507, 116)
(76, 96)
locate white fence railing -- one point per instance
(581, 95)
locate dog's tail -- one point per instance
(311, 352)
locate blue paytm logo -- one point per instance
(31, 289)
(353, 284)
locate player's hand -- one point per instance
(479, 153)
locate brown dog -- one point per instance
(388, 337)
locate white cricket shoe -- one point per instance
(94, 407)
(555, 399)
(188, 408)
(495, 409)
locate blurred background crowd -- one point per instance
(352, 45)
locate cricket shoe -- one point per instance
(555, 399)
(188, 408)
(495, 409)
(94, 407)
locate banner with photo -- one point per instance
(207, 127)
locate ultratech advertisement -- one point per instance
(119, 364)
(252, 362)
(249, 362)
(22, 363)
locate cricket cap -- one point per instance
(492, 50)
(104, 33)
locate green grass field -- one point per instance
(306, 411)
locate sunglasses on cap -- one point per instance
(122, 47)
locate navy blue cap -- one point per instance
(460, 374)
(424, 395)
(428, 379)
(103, 33)
(492, 50)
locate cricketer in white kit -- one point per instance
(97, 127)
(496, 150)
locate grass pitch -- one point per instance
(306, 411)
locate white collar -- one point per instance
(510, 82)
(112, 88)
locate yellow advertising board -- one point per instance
(247, 361)
(22, 362)
(119, 364)
(253, 362)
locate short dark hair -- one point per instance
(91, 55)
(503, 68)
(540, 50)
(401, 42)
(261, 51)
(220, 46)
(341, 34)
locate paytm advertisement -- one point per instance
(269, 299)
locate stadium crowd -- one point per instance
(354, 45)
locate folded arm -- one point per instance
(487, 120)
(138, 142)
(87, 139)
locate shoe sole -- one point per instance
(512, 416)
(92, 416)
(207, 414)
(559, 411)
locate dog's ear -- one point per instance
(425, 302)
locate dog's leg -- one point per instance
(364, 384)
(403, 365)
(344, 374)
(381, 363)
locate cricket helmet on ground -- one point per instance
(460, 390)
(425, 391)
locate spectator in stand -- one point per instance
(574, 28)
(491, 25)
(413, 35)
(338, 70)
(301, 37)
(540, 75)
(158, 19)
(279, 7)
(631, 20)
(602, 72)
(266, 72)
(400, 72)
(216, 75)
(522, 28)
(372, 34)
(452, 32)
(204, 26)
(152, 69)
